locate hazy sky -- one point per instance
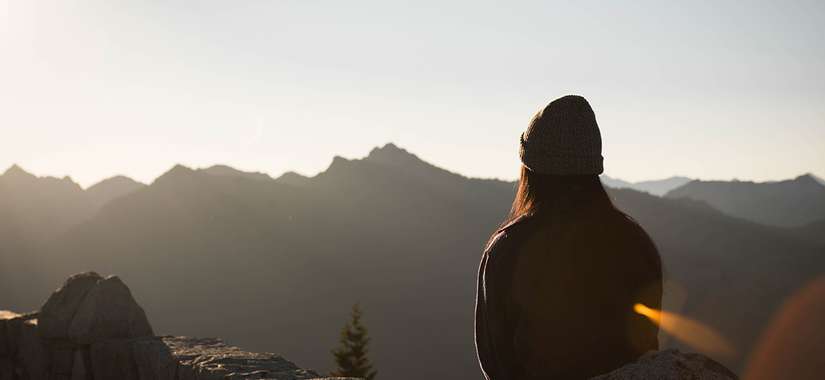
(716, 90)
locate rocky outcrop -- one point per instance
(89, 308)
(210, 358)
(93, 329)
(671, 365)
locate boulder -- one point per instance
(108, 311)
(113, 359)
(154, 360)
(145, 358)
(32, 355)
(79, 371)
(5, 335)
(92, 328)
(62, 360)
(6, 368)
(89, 309)
(57, 313)
(671, 365)
(210, 358)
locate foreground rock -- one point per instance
(92, 328)
(671, 365)
(89, 308)
(210, 358)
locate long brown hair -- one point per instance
(559, 195)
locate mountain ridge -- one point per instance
(210, 254)
(787, 203)
(657, 187)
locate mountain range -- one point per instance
(790, 203)
(656, 187)
(275, 264)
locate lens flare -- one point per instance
(688, 331)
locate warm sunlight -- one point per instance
(387, 190)
(692, 333)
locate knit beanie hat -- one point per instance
(563, 139)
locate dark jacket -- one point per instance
(555, 300)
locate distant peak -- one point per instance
(221, 167)
(175, 174)
(391, 154)
(338, 163)
(291, 174)
(16, 171)
(391, 146)
(808, 179)
(292, 178)
(228, 171)
(388, 148)
(118, 180)
(338, 160)
(177, 170)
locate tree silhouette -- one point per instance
(351, 355)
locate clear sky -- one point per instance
(715, 90)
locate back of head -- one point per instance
(561, 153)
(563, 139)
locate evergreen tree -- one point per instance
(351, 355)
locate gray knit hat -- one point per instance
(563, 139)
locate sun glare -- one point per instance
(688, 331)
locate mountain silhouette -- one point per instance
(293, 178)
(275, 264)
(41, 205)
(790, 203)
(226, 171)
(44, 207)
(104, 191)
(656, 187)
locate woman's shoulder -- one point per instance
(634, 238)
(633, 230)
(511, 234)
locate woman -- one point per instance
(558, 281)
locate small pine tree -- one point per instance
(351, 355)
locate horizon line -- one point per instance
(386, 145)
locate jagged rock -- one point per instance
(89, 309)
(138, 359)
(32, 355)
(113, 360)
(6, 364)
(57, 313)
(6, 345)
(154, 359)
(671, 365)
(92, 328)
(108, 311)
(6, 369)
(211, 358)
(79, 371)
(5, 338)
(62, 362)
